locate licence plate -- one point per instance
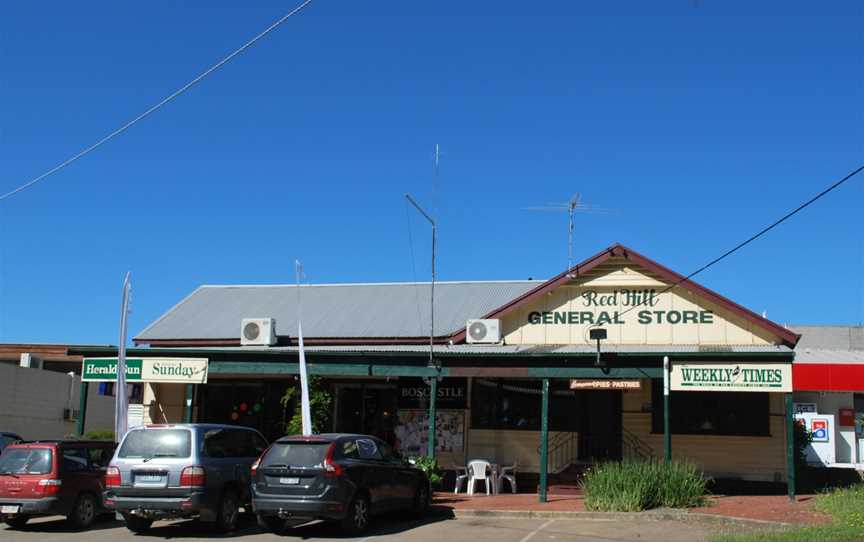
(289, 481)
(148, 478)
(9, 509)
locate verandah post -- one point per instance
(667, 431)
(544, 441)
(790, 448)
(82, 407)
(433, 395)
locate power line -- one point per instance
(757, 235)
(159, 105)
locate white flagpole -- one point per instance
(305, 409)
(121, 404)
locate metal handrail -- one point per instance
(634, 447)
(563, 451)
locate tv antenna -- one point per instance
(572, 206)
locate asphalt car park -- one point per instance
(439, 525)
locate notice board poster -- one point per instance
(412, 432)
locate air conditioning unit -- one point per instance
(483, 331)
(70, 415)
(258, 332)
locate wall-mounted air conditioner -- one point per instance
(483, 331)
(258, 332)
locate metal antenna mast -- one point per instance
(432, 290)
(572, 206)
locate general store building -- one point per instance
(730, 368)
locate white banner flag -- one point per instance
(121, 404)
(305, 408)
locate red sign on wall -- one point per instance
(846, 417)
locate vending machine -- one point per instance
(821, 451)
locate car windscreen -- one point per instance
(296, 454)
(26, 461)
(153, 443)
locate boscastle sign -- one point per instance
(771, 377)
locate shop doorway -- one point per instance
(600, 432)
(368, 409)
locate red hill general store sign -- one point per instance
(622, 300)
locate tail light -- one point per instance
(332, 469)
(257, 462)
(50, 487)
(192, 477)
(112, 477)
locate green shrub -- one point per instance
(319, 407)
(801, 440)
(430, 466)
(632, 486)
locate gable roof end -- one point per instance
(618, 250)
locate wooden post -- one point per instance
(82, 408)
(790, 448)
(433, 395)
(544, 441)
(667, 430)
(187, 411)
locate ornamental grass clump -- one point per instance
(633, 486)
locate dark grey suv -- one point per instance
(337, 477)
(183, 470)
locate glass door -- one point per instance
(367, 409)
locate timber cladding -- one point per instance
(748, 458)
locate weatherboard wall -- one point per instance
(536, 322)
(747, 458)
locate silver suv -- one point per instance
(182, 470)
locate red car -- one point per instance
(47, 478)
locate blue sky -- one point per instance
(699, 121)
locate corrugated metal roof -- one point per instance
(512, 349)
(830, 337)
(333, 310)
(824, 355)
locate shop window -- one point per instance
(712, 413)
(250, 404)
(516, 404)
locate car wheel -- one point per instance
(229, 510)
(137, 525)
(357, 518)
(421, 500)
(83, 511)
(271, 524)
(16, 522)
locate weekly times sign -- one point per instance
(771, 377)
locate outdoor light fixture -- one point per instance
(599, 334)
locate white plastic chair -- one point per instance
(461, 476)
(509, 474)
(479, 470)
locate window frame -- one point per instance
(733, 397)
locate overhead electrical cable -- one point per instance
(757, 235)
(157, 106)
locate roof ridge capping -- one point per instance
(618, 250)
(352, 284)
